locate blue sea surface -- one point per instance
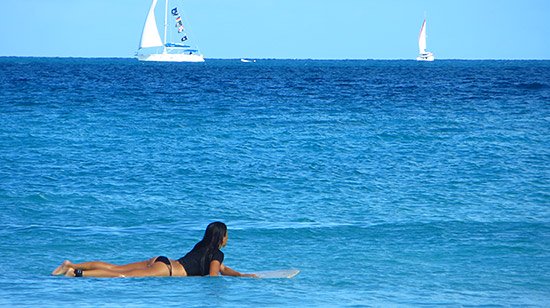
(387, 183)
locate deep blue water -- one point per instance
(384, 182)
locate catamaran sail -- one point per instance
(423, 54)
(173, 47)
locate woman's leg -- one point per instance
(100, 265)
(156, 270)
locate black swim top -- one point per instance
(197, 261)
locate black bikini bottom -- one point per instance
(166, 261)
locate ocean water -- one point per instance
(387, 183)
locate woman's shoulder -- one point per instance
(218, 255)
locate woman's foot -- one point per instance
(70, 272)
(63, 268)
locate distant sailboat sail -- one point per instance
(423, 54)
(422, 38)
(172, 48)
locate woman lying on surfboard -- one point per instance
(205, 258)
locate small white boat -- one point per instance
(423, 54)
(175, 47)
(248, 61)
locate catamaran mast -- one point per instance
(165, 25)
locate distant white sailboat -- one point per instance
(423, 54)
(174, 46)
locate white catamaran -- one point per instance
(174, 46)
(423, 54)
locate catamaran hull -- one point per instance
(429, 59)
(171, 58)
(425, 57)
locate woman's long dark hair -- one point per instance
(213, 236)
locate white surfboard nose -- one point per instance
(286, 273)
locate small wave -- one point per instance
(36, 197)
(22, 79)
(532, 86)
(273, 225)
(87, 229)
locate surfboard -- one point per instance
(286, 273)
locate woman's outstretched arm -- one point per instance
(227, 271)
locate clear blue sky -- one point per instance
(316, 29)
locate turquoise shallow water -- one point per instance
(384, 182)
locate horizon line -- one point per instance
(297, 59)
